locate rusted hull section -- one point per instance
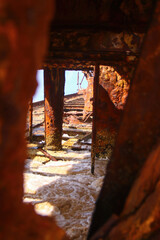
(54, 94)
(138, 134)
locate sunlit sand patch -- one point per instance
(64, 189)
(44, 209)
(30, 199)
(33, 181)
(54, 168)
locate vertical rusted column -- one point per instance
(95, 101)
(54, 94)
(30, 119)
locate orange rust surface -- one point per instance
(112, 95)
(139, 130)
(23, 41)
(30, 119)
(140, 218)
(108, 116)
(141, 212)
(23, 31)
(115, 84)
(88, 105)
(108, 121)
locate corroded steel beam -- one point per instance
(68, 65)
(54, 93)
(78, 49)
(95, 42)
(95, 102)
(84, 61)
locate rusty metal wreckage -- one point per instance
(124, 34)
(85, 47)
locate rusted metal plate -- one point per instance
(139, 131)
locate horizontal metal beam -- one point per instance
(91, 41)
(78, 49)
(72, 63)
(66, 64)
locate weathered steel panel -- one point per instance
(138, 134)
